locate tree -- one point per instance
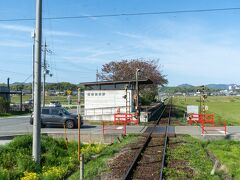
(126, 70)
(61, 86)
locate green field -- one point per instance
(95, 167)
(225, 108)
(227, 152)
(15, 99)
(187, 159)
(58, 158)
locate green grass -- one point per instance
(15, 113)
(187, 159)
(224, 108)
(57, 158)
(228, 152)
(95, 167)
(61, 99)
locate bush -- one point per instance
(57, 159)
(4, 105)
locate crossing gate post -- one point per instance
(103, 126)
(125, 127)
(202, 128)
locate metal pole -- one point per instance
(81, 167)
(203, 100)
(137, 97)
(36, 148)
(126, 88)
(8, 83)
(21, 91)
(44, 72)
(79, 125)
(80, 156)
(33, 65)
(200, 109)
(97, 75)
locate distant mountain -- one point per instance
(20, 83)
(185, 85)
(218, 86)
(211, 86)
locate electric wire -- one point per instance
(125, 14)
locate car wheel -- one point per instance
(69, 124)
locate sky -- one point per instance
(193, 48)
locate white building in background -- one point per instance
(103, 99)
(99, 99)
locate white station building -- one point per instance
(103, 99)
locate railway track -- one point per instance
(149, 160)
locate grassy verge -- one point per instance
(227, 152)
(14, 113)
(57, 159)
(187, 159)
(100, 122)
(95, 167)
(61, 99)
(224, 108)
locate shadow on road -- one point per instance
(82, 127)
(88, 126)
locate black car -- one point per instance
(57, 116)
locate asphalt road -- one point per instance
(20, 125)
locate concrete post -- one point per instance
(81, 167)
(21, 100)
(36, 148)
(137, 96)
(44, 72)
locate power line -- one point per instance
(125, 14)
(13, 72)
(27, 78)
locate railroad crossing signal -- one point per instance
(203, 97)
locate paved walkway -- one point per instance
(90, 133)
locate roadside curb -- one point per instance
(17, 117)
(10, 137)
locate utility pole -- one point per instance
(97, 75)
(80, 156)
(79, 123)
(126, 96)
(44, 71)
(36, 147)
(203, 96)
(137, 96)
(33, 59)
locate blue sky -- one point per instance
(194, 48)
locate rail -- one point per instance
(165, 144)
(131, 168)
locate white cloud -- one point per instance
(19, 28)
(191, 55)
(128, 35)
(62, 33)
(13, 43)
(29, 29)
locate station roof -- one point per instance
(114, 85)
(145, 81)
(4, 89)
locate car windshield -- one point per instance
(65, 111)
